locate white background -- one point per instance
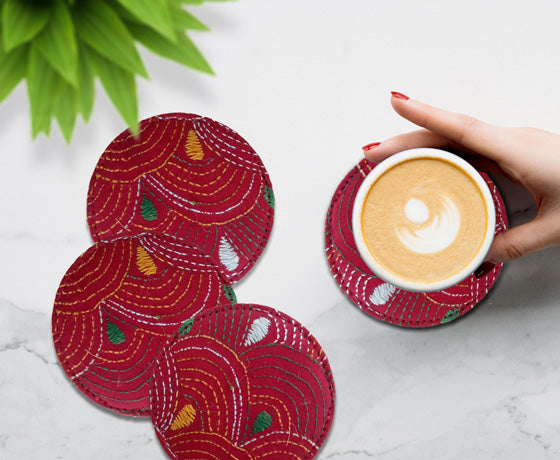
(307, 83)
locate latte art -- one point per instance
(440, 232)
(424, 220)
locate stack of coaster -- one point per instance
(146, 323)
(385, 301)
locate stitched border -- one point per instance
(262, 228)
(66, 363)
(302, 330)
(335, 253)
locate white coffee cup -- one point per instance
(486, 236)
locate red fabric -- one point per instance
(233, 368)
(115, 310)
(203, 183)
(380, 299)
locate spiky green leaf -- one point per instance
(66, 111)
(13, 67)
(183, 20)
(198, 2)
(86, 86)
(119, 85)
(102, 29)
(153, 13)
(183, 51)
(22, 20)
(57, 42)
(43, 88)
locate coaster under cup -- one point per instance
(190, 178)
(383, 300)
(115, 311)
(245, 382)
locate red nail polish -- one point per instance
(399, 96)
(371, 146)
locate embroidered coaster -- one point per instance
(243, 382)
(383, 300)
(188, 177)
(116, 309)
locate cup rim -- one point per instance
(374, 175)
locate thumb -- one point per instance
(522, 240)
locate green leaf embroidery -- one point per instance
(115, 335)
(269, 196)
(119, 85)
(102, 29)
(153, 13)
(186, 327)
(147, 209)
(450, 315)
(262, 422)
(21, 21)
(230, 294)
(13, 67)
(57, 43)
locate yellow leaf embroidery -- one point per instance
(145, 262)
(184, 418)
(193, 147)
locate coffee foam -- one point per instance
(440, 232)
(424, 220)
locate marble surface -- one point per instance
(307, 84)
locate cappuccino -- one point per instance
(425, 220)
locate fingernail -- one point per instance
(399, 95)
(371, 146)
(484, 269)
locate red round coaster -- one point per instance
(188, 177)
(383, 300)
(243, 382)
(116, 309)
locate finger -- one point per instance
(423, 138)
(486, 139)
(416, 139)
(519, 241)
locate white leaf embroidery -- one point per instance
(382, 293)
(257, 331)
(228, 256)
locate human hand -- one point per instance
(527, 156)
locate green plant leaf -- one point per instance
(22, 20)
(86, 86)
(183, 20)
(153, 13)
(13, 67)
(183, 51)
(119, 85)
(44, 86)
(199, 2)
(57, 43)
(66, 111)
(102, 29)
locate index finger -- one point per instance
(486, 139)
